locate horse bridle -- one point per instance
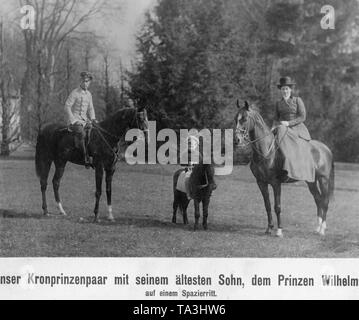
(245, 134)
(118, 138)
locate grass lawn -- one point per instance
(142, 207)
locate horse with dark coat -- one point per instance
(201, 184)
(55, 143)
(267, 163)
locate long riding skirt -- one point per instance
(298, 159)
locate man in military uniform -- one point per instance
(80, 113)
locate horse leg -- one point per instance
(59, 171)
(324, 191)
(277, 208)
(109, 175)
(264, 190)
(196, 213)
(175, 207)
(184, 211)
(205, 205)
(99, 176)
(45, 169)
(313, 188)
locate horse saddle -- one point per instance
(75, 131)
(183, 181)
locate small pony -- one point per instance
(200, 185)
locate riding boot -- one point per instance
(87, 158)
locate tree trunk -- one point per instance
(5, 129)
(68, 70)
(107, 88)
(26, 89)
(5, 149)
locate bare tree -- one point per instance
(8, 102)
(55, 22)
(108, 109)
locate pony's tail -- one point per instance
(331, 182)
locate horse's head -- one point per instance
(243, 123)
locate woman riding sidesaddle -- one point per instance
(292, 135)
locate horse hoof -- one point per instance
(95, 220)
(111, 219)
(174, 221)
(279, 233)
(205, 227)
(268, 231)
(195, 227)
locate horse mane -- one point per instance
(119, 114)
(118, 120)
(257, 118)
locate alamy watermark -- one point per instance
(328, 21)
(28, 20)
(186, 149)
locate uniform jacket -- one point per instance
(79, 106)
(293, 111)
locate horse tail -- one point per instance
(39, 147)
(331, 182)
(42, 156)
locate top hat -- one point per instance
(86, 75)
(285, 82)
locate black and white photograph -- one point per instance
(209, 131)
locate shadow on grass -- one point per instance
(12, 214)
(150, 222)
(339, 243)
(14, 157)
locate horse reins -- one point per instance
(251, 142)
(115, 153)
